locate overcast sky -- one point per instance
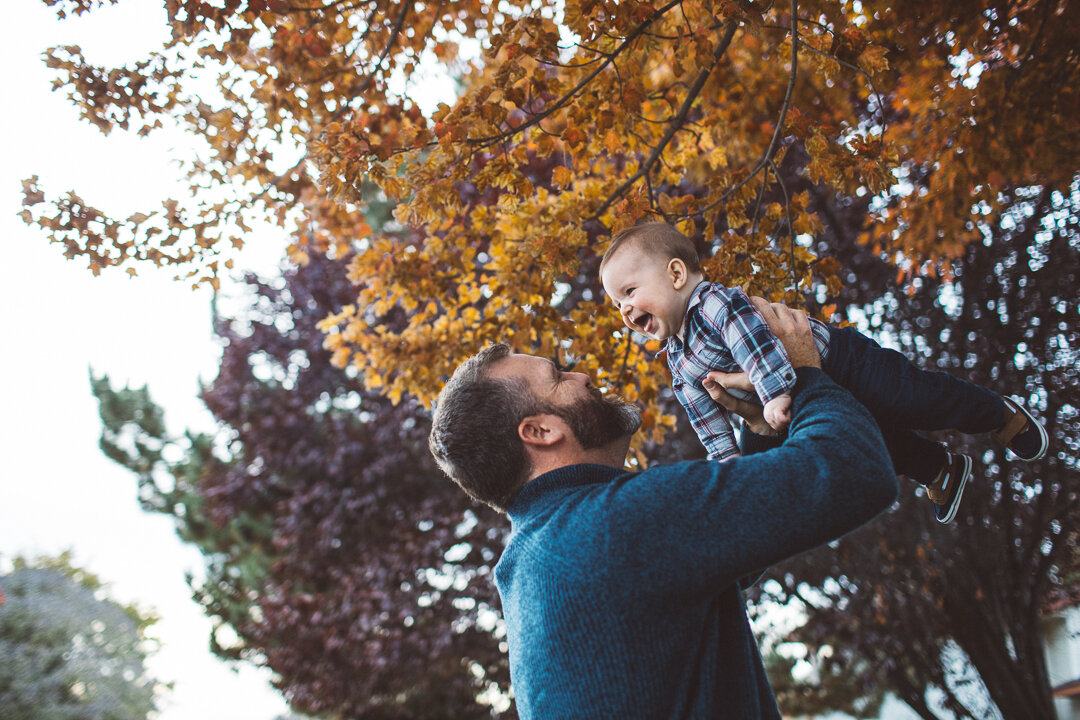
(57, 491)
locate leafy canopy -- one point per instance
(575, 119)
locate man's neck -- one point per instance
(613, 455)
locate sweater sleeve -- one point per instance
(751, 442)
(708, 524)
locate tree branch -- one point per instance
(869, 81)
(395, 33)
(336, 4)
(481, 143)
(675, 124)
(760, 196)
(767, 157)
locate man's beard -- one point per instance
(599, 419)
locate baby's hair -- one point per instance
(657, 238)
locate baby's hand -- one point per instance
(778, 412)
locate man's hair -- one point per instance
(474, 429)
(657, 238)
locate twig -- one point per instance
(760, 195)
(323, 8)
(625, 358)
(791, 232)
(398, 25)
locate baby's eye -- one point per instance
(630, 291)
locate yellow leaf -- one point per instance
(562, 176)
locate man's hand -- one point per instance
(792, 327)
(778, 412)
(748, 410)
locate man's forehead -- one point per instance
(517, 365)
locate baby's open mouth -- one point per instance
(642, 321)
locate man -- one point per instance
(622, 591)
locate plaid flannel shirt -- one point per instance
(724, 331)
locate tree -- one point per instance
(337, 554)
(67, 651)
(905, 601)
(811, 692)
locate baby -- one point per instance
(652, 274)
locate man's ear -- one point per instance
(678, 273)
(541, 430)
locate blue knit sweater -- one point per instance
(621, 590)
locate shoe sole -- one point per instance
(1044, 439)
(955, 505)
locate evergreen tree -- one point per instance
(68, 652)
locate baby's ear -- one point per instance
(678, 273)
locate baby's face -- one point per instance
(642, 288)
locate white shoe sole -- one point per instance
(1044, 439)
(959, 492)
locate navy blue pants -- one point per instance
(903, 398)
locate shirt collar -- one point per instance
(539, 490)
(673, 342)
